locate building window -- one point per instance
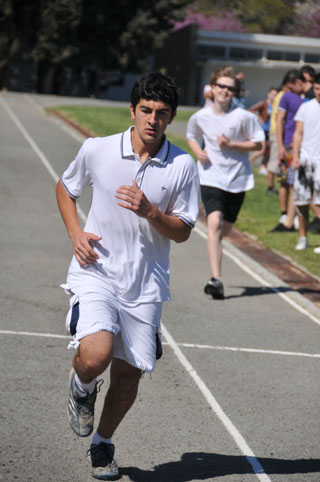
(288, 56)
(245, 53)
(291, 56)
(312, 58)
(209, 51)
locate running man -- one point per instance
(224, 166)
(145, 192)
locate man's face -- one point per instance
(316, 90)
(151, 119)
(296, 87)
(223, 90)
(308, 81)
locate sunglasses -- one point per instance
(224, 86)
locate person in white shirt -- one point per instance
(306, 162)
(224, 167)
(145, 192)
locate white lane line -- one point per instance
(185, 345)
(249, 350)
(231, 429)
(35, 147)
(30, 333)
(262, 281)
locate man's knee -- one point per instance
(215, 222)
(95, 352)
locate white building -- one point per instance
(192, 54)
(263, 58)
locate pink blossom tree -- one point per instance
(306, 21)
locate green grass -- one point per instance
(260, 212)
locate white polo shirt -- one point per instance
(228, 169)
(133, 257)
(309, 114)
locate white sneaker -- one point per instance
(296, 222)
(263, 170)
(302, 244)
(282, 218)
(317, 250)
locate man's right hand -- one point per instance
(282, 153)
(203, 157)
(82, 248)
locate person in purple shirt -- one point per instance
(285, 127)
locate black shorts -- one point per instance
(215, 199)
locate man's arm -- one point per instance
(281, 116)
(81, 240)
(224, 141)
(170, 227)
(296, 144)
(201, 154)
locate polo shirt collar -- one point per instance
(127, 151)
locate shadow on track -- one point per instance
(203, 466)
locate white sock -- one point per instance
(85, 387)
(96, 439)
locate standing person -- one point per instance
(145, 192)
(273, 162)
(306, 162)
(263, 109)
(224, 166)
(285, 126)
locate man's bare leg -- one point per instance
(303, 220)
(122, 392)
(214, 223)
(291, 209)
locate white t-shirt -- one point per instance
(309, 114)
(133, 257)
(228, 169)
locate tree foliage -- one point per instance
(254, 16)
(306, 21)
(119, 34)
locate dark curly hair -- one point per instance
(158, 87)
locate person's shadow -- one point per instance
(207, 466)
(264, 290)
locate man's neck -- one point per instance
(220, 109)
(145, 151)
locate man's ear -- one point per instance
(173, 116)
(132, 112)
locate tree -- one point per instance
(255, 16)
(267, 16)
(306, 21)
(116, 34)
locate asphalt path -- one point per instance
(235, 397)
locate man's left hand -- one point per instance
(135, 200)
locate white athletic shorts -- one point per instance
(307, 184)
(136, 327)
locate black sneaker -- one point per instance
(281, 228)
(314, 226)
(104, 467)
(81, 408)
(214, 287)
(272, 190)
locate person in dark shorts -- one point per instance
(224, 167)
